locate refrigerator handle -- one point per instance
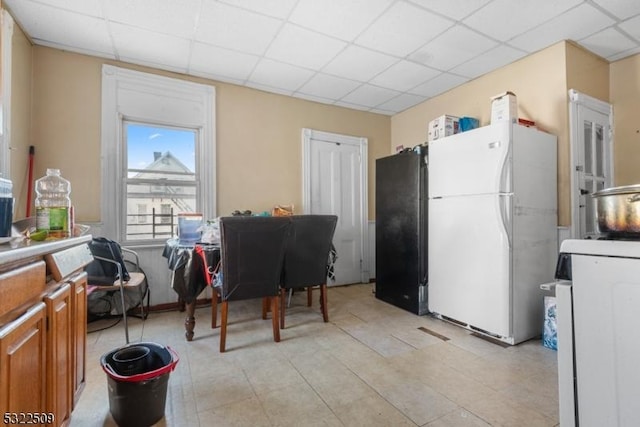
(504, 202)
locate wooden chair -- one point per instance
(306, 257)
(252, 253)
(109, 273)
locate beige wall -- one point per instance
(20, 117)
(625, 98)
(539, 82)
(258, 134)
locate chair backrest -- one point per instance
(252, 254)
(102, 271)
(305, 262)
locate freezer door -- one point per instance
(470, 261)
(473, 162)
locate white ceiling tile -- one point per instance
(488, 61)
(624, 54)
(632, 26)
(623, 9)
(403, 28)
(453, 47)
(382, 112)
(75, 49)
(85, 7)
(166, 16)
(270, 89)
(276, 8)
(278, 75)
(237, 29)
(404, 75)
(313, 98)
(504, 19)
(329, 87)
(220, 78)
(338, 18)
(608, 43)
(304, 48)
(370, 96)
(455, 9)
(352, 106)
(148, 46)
(401, 103)
(223, 62)
(358, 63)
(62, 27)
(438, 85)
(575, 24)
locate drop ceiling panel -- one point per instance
(133, 44)
(84, 7)
(404, 75)
(402, 29)
(279, 75)
(370, 96)
(455, 9)
(238, 29)
(207, 59)
(622, 9)
(338, 18)
(438, 85)
(401, 102)
(329, 87)
(276, 8)
(166, 16)
(505, 19)
(453, 47)
(608, 43)
(358, 63)
(569, 25)
(304, 48)
(632, 27)
(490, 60)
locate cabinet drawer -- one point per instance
(21, 285)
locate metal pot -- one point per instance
(618, 210)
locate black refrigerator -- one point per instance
(401, 230)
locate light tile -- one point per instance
(279, 75)
(341, 19)
(398, 104)
(631, 26)
(371, 411)
(369, 95)
(439, 84)
(304, 48)
(403, 75)
(455, 9)
(417, 401)
(213, 60)
(608, 42)
(569, 26)
(402, 29)
(327, 86)
(622, 9)
(358, 63)
(491, 60)
(276, 8)
(458, 418)
(505, 19)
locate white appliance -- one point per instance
(492, 229)
(598, 320)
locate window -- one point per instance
(161, 173)
(158, 149)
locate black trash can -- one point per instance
(137, 378)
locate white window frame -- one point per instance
(149, 98)
(5, 97)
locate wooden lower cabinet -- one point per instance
(59, 354)
(23, 366)
(79, 331)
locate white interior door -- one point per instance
(334, 184)
(592, 165)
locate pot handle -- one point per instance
(634, 198)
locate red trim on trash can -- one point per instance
(145, 376)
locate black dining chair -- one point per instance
(306, 258)
(252, 254)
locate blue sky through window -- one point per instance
(144, 140)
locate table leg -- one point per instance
(190, 320)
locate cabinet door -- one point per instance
(22, 363)
(79, 332)
(59, 354)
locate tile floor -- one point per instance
(371, 365)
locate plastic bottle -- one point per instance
(53, 204)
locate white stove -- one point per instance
(598, 320)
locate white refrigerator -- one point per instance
(492, 229)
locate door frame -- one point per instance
(577, 102)
(362, 144)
